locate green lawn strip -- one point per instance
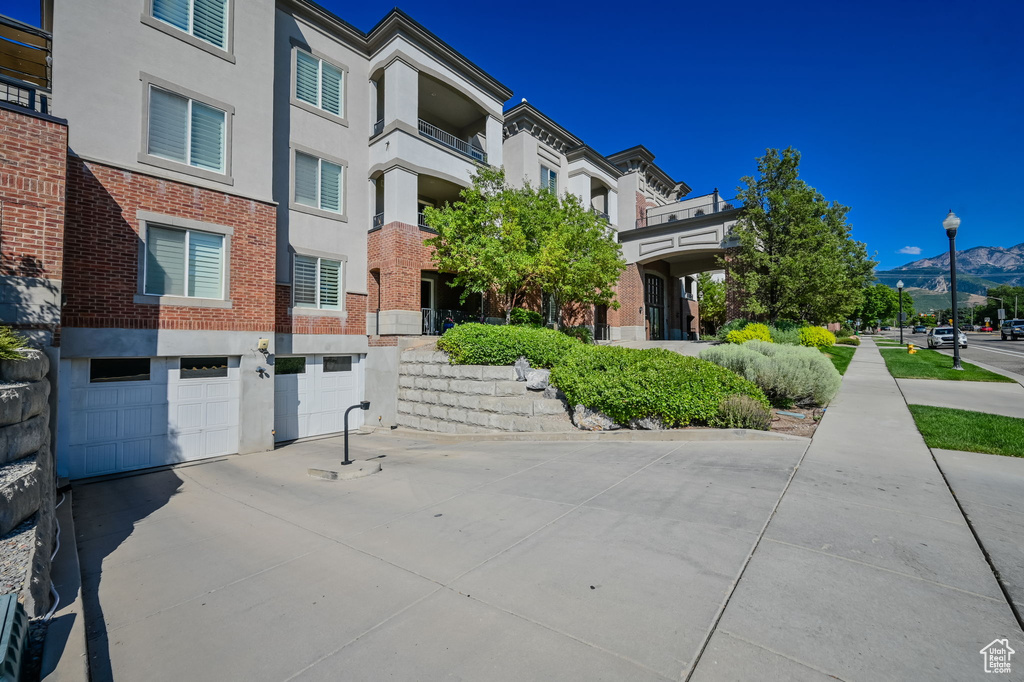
(949, 429)
(840, 356)
(931, 364)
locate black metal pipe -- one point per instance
(364, 405)
(900, 290)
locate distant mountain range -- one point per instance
(977, 269)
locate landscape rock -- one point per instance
(554, 392)
(522, 366)
(538, 379)
(32, 368)
(592, 420)
(647, 424)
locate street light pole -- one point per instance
(899, 288)
(951, 223)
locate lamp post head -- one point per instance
(951, 223)
(899, 284)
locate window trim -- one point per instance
(227, 54)
(341, 216)
(147, 218)
(342, 285)
(145, 157)
(293, 82)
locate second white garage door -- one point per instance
(312, 392)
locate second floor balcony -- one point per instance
(688, 210)
(432, 132)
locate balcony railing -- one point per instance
(452, 142)
(14, 91)
(435, 321)
(378, 221)
(421, 220)
(600, 214)
(378, 128)
(687, 212)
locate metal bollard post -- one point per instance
(364, 405)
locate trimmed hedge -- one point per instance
(848, 341)
(527, 317)
(817, 337)
(488, 344)
(787, 374)
(626, 384)
(581, 332)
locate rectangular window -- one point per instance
(184, 263)
(204, 19)
(319, 83)
(186, 131)
(289, 366)
(548, 179)
(317, 283)
(318, 183)
(337, 363)
(118, 369)
(204, 368)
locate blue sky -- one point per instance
(901, 109)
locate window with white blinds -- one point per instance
(204, 19)
(316, 283)
(187, 131)
(548, 179)
(319, 83)
(318, 183)
(184, 263)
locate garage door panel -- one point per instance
(101, 425)
(138, 421)
(136, 454)
(313, 402)
(217, 413)
(100, 458)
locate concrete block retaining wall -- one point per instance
(436, 396)
(27, 488)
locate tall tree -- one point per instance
(795, 257)
(518, 242)
(880, 305)
(711, 297)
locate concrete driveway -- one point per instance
(487, 560)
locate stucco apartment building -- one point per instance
(235, 239)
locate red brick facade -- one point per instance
(33, 171)
(102, 244)
(395, 257)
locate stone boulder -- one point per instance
(592, 420)
(522, 366)
(647, 424)
(538, 379)
(33, 368)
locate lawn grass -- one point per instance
(840, 356)
(949, 429)
(931, 364)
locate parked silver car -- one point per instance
(1012, 329)
(943, 336)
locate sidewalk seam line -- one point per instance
(746, 562)
(779, 653)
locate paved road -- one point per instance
(983, 347)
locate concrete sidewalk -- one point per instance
(868, 570)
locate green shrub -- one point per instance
(485, 344)
(626, 384)
(848, 341)
(581, 332)
(789, 337)
(789, 325)
(846, 330)
(729, 326)
(787, 374)
(817, 337)
(751, 332)
(743, 412)
(10, 342)
(524, 316)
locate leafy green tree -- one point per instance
(1009, 294)
(514, 243)
(795, 257)
(711, 297)
(881, 305)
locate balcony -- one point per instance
(24, 65)
(674, 214)
(600, 214)
(378, 128)
(378, 221)
(450, 141)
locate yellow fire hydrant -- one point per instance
(910, 349)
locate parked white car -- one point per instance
(943, 336)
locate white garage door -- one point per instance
(133, 413)
(312, 392)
